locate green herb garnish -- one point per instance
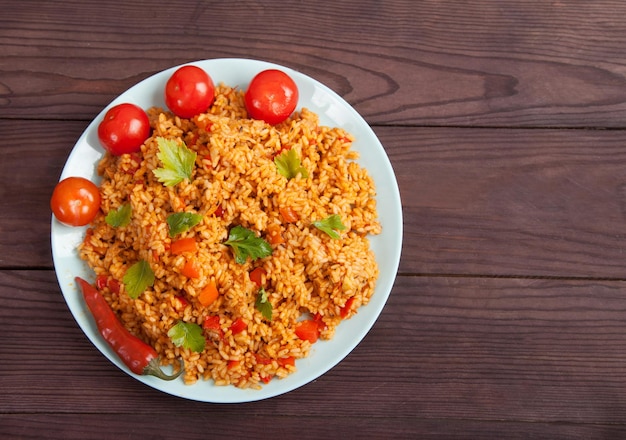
(245, 243)
(179, 222)
(137, 278)
(177, 160)
(288, 164)
(263, 304)
(119, 217)
(187, 335)
(329, 224)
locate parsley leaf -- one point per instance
(179, 222)
(120, 217)
(263, 304)
(137, 278)
(245, 243)
(329, 224)
(288, 164)
(178, 161)
(187, 335)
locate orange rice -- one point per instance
(235, 182)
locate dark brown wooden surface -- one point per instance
(505, 124)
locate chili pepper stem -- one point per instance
(154, 369)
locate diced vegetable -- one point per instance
(219, 211)
(308, 330)
(257, 275)
(238, 326)
(209, 294)
(203, 124)
(288, 361)
(345, 310)
(321, 325)
(289, 214)
(101, 281)
(262, 360)
(211, 324)
(114, 285)
(179, 303)
(274, 235)
(265, 378)
(183, 245)
(190, 269)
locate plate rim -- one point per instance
(382, 292)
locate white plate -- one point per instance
(333, 111)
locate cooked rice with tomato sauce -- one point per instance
(308, 276)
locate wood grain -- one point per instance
(33, 156)
(481, 202)
(484, 63)
(92, 426)
(511, 202)
(480, 349)
(504, 122)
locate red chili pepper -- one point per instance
(140, 357)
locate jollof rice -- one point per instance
(235, 182)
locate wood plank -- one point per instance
(484, 202)
(512, 350)
(408, 62)
(507, 319)
(33, 155)
(200, 424)
(511, 202)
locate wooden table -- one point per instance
(504, 122)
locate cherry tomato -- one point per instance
(75, 201)
(124, 129)
(271, 96)
(189, 91)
